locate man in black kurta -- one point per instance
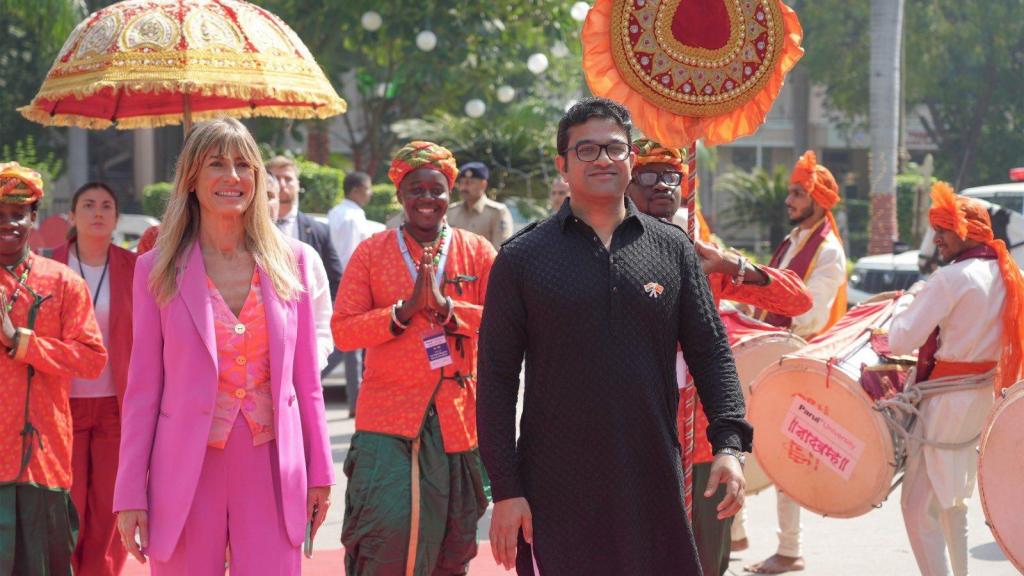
(598, 323)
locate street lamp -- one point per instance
(506, 94)
(475, 108)
(579, 11)
(426, 40)
(537, 63)
(371, 21)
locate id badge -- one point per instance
(438, 353)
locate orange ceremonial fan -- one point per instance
(694, 69)
(148, 63)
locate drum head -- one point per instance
(819, 439)
(753, 354)
(1000, 468)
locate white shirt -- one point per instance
(289, 223)
(827, 275)
(320, 293)
(102, 386)
(964, 300)
(348, 225)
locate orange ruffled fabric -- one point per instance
(669, 128)
(970, 220)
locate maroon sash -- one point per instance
(926, 354)
(800, 264)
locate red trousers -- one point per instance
(97, 426)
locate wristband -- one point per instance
(734, 453)
(451, 311)
(19, 348)
(394, 315)
(738, 278)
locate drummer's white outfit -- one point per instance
(827, 275)
(964, 300)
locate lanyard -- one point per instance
(413, 269)
(103, 275)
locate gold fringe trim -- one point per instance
(132, 122)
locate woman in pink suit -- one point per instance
(224, 440)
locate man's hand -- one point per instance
(6, 325)
(714, 259)
(506, 520)
(127, 523)
(726, 470)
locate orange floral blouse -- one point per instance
(243, 360)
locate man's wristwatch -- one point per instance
(733, 452)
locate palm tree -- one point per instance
(884, 113)
(758, 198)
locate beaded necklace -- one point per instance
(20, 281)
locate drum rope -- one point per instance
(901, 409)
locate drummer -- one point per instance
(655, 189)
(965, 319)
(814, 251)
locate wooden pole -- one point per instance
(691, 190)
(187, 113)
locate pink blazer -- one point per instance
(169, 402)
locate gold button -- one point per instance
(240, 360)
(239, 393)
(239, 328)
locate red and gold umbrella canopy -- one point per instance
(691, 69)
(148, 63)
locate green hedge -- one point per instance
(321, 185)
(383, 203)
(154, 198)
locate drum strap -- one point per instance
(901, 410)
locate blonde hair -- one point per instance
(283, 162)
(180, 226)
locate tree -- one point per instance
(480, 45)
(884, 102)
(964, 66)
(758, 197)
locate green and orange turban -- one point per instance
(418, 154)
(969, 220)
(19, 185)
(650, 152)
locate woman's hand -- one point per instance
(128, 521)
(318, 500)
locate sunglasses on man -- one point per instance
(648, 179)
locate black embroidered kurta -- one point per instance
(598, 456)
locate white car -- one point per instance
(882, 273)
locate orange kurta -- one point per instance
(398, 383)
(785, 295)
(67, 343)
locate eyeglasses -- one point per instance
(669, 178)
(589, 152)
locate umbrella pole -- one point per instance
(187, 113)
(691, 190)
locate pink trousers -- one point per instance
(238, 505)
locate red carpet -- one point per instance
(331, 563)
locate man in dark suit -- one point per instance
(305, 228)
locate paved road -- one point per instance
(874, 545)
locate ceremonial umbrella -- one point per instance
(150, 63)
(690, 70)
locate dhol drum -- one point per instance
(1000, 467)
(819, 435)
(755, 346)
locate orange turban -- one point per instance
(418, 154)
(821, 186)
(650, 152)
(969, 220)
(19, 185)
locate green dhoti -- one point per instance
(38, 530)
(713, 536)
(379, 510)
